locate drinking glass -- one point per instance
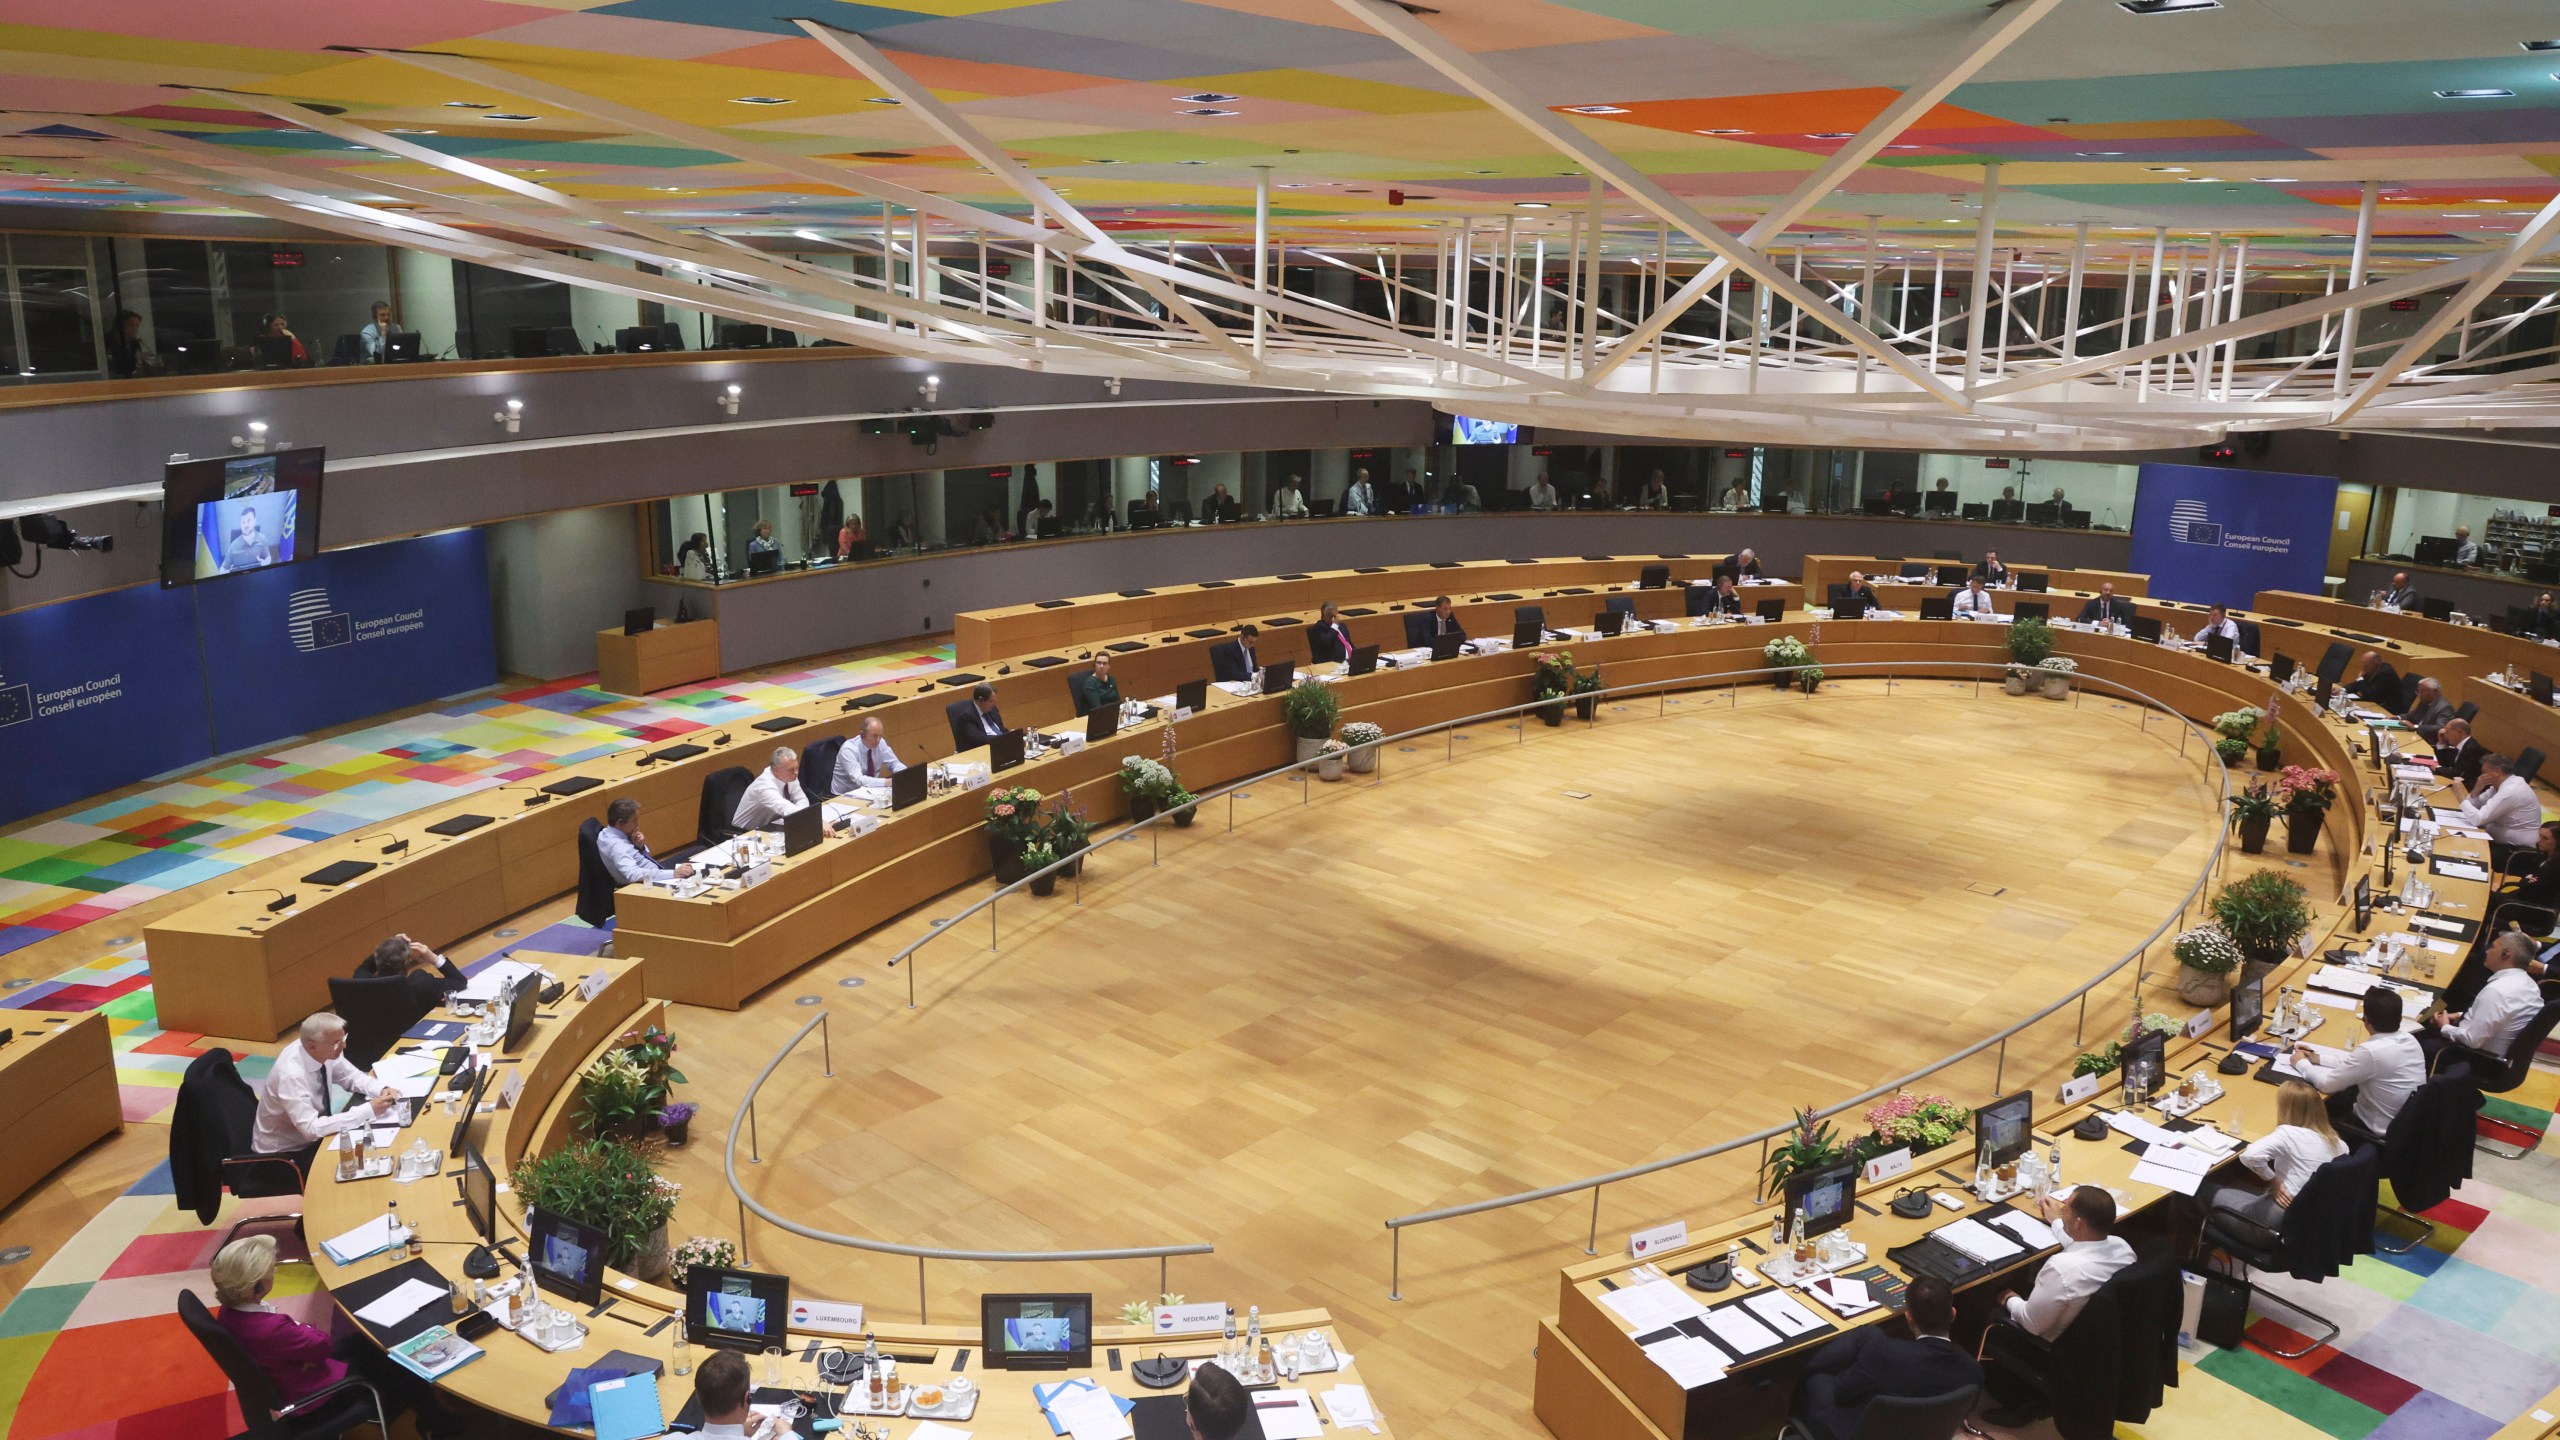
(773, 1367)
(683, 1352)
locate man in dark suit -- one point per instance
(2377, 683)
(1443, 621)
(2104, 607)
(1726, 600)
(1868, 1364)
(974, 721)
(1235, 659)
(1094, 689)
(1219, 508)
(1329, 639)
(2457, 753)
(1990, 571)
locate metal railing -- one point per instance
(1734, 681)
(1161, 1254)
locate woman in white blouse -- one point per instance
(2301, 1143)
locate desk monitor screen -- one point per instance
(2144, 628)
(2364, 902)
(802, 827)
(472, 1094)
(1938, 607)
(1101, 723)
(736, 1309)
(2320, 696)
(1849, 607)
(907, 787)
(1445, 647)
(2280, 669)
(1036, 1332)
(1191, 695)
(1770, 610)
(2217, 646)
(1278, 676)
(2539, 685)
(1727, 572)
(1822, 1196)
(522, 1001)
(1953, 575)
(1364, 660)
(2002, 1129)
(479, 1195)
(2034, 581)
(1526, 635)
(568, 1258)
(1941, 502)
(2031, 610)
(1609, 622)
(2248, 1008)
(639, 619)
(237, 513)
(2141, 1065)
(1004, 750)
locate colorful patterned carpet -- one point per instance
(65, 873)
(2445, 1343)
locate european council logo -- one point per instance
(2191, 523)
(313, 625)
(17, 703)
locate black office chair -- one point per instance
(320, 1415)
(1918, 570)
(1653, 577)
(595, 886)
(2110, 1363)
(2249, 637)
(2467, 710)
(2408, 692)
(1900, 1417)
(2426, 1152)
(209, 1152)
(1417, 629)
(1623, 604)
(376, 1012)
(2325, 1228)
(2528, 764)
(818, 767)
(1529, 615)
(966, 733)
(721, 792)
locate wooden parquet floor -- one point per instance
(1534, 962)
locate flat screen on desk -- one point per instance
(2141, 1065)
(736, 1309)
(479, 1195)
(471, 1109)
(237, 513)
(1036, 1332)
(2002, 1129)
(2249, 1006)
(1823, 1196)
(2364, 903)
(522, 1001)
(568, 1258)
(1191, 695)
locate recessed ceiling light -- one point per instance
(884, 100)
(2493, 200)
(759, 100)
(1595, 109)
(410, 130)
(1534, 205)
(1195, 162)
(2166, 7)
(467, 105)
(2542, 44)
(1830, 134)
(2461, 215)
(668, 189)
(1724, 132)
(2166, 169)
(1207, 97)
(2096, 154)
(512, 117)
(2477, 92)
(2200, 180)
(1209, 110)
(2278, 180)
(1902, 147)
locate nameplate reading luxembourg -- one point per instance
(1886, 1166)
(1641, 1243)
(1191, 1319)
(826, 1317)
(2079, 1088)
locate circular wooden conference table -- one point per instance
(251, 962)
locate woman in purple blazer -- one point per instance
(299, 1359)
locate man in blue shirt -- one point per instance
(626, 851)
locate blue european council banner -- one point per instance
(2205, 534)
(96, 693)
(348, 634)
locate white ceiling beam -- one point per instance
(2007, 22)
(2537, 233)
(1440, 54)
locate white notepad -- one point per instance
(1739, 1331)
(1978, 1241)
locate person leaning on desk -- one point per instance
(2218, 621)
(2429, 711)
(1868, 1365)
(2458, 755)
(293, 1106)
(430, 976)
(722, 1383)
(2368, 1085)
(1234, 660)
(2283, 1160)
(1726, 600)
(625, 851)
(1990, 571)
(1973, 602)
(2376, 683)
(2105, 608)
(1094, 689)
(2401, 595)
(773, 794)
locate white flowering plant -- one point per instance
(2058, 664)
(1361, 732)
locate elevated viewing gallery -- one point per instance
(1280, 720)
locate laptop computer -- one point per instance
(1364, 660)
(1938, 607)
(2034, 581)
(1004, 751)
(2031, 610)
(1191, 695)
(1278, 676)
(907, 787)
(338, 873)
(802, 828)
(1445, 647)
(1770, 609)
(1101, 724)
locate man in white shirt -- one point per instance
(1656, 495)
(378, 332)
(293, 1106)
(1542, 493)
(2499, 1013)
(2466, 551)
(722, 1383)
(774, 794)
(866, 762)
(1738, 496)
(1292, 502)
(1974, 603)
(2218, 621)
(2504, 806)
(2368, 1085)
(1362, 497)
(2091, 1253)
(625, 850)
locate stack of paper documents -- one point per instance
(1652, 1306)
(1740, 1333)
(493, 979)
(1783, 1314)
(1287, 1415)
(1349, 1405)
(1845, 1297)
(370, 1238)
(1085, 1410)
(400, 1302)
(2173, 1167)
(1977, 1241)
(1688, 1360)
(2036, 1234)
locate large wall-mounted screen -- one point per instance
(237, 513)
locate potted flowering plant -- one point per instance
(2028, 641)
(1552, 678)
(1809, 1146)
(2253, 810)
(1066, 832)
(1329, 760)
(676, 1123)
(1363, 739)
(1146, 783)
(655, 1049)
(1786, 655)
(2017, 678)
(1586, 692)
(2104, 1059)
(2264, 914)
(615, 1096)
(2056, 671)
(1037, 856)
(1013, 823)
(2306, 793)
(2236, 727)
(606, 1185)
(1917, 1123)
(2270, 742)
(700, 1250)
(2206, 958)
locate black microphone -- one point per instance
(283, 901)
(394, 848)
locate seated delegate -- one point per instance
(2458, 754)
(1990, 571)
(2376, 683)
(301, 1361)
(866, 762)
(2218, 621)
(773, 794)
(976, 720)
(430, 976)
(1329, 640)
(2401, 595)
(2368, 1085)
(1867, 1365)
(1974, 603)
(2429, 711)
(2499, 1013)
(1444, 620)
(2504, 806)
(1726, 600)
(2091, 1253)
(2104, 608)
(1095, 689)
(625, 851)
(723, 1385)
(2283, 1160)
(293, 1104)
(1746, 563)
(1235, 661)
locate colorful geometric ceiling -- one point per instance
(2261, 117)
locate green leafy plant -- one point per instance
(2263, 914)
(2254, 802)
(1809, 1146)
(1809, 678)
(1013, 815)
(616, 1094)
(701, 1250)
(2239, 724)
(2208, 949)
(2231, 749)
(1068, 826)
(2099, 1061)
(1143, 1312)
(606, 1185)
(1310, 710)
(2029, 640)
(1554, 675)
(655, 1049)
(1038, 855)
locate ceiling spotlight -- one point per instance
(2166, 169)
(759, 100)
(2097, 154)
(1206, 97)
(1208, 110)
(1111, 383)
(1595, 109)
(2542, 44)
(2477, 92)
(2278, 180)
(2201, 180)
(411, 130)
(884, 100)
(2166, 7)
(494, 116)
(727, 398)
(512, 417)
(1724, 132)
(1831, 134)
(1534, 205)
(467, 105)
(931, 389)
(255, 440)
